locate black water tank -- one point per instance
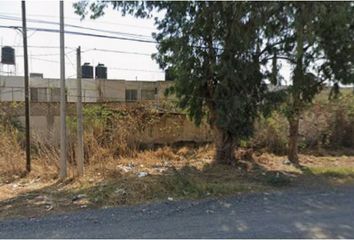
(87, 70)
(101, 71)
(168, 75)
(8, 55)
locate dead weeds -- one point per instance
(161, 174)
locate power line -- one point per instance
(99, 22)
(48, 47)
(45, 54)
(45, 60)
(35, 57)
(97, 35)
(79, 27)
(86, 50)
(117, 51)
(109, 68)
(82, 34)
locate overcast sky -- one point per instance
(45, 60)
(137, 65)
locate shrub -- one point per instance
(271, 133)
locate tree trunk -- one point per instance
(225, 147)
(293, 140)
(298, 85)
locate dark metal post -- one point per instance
(27, 110)
(63, 153)
(80, 130)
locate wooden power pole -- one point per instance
(80, 130)
(27, 110)
(63, 153)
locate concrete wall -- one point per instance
(170, 128)
(111, 90)
(45, 114)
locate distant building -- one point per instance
(93, 90)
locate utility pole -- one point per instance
(27, 112)
(80, 130)
(63, 154)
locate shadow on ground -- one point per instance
(120, 188)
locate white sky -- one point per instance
(112, 21)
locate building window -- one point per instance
(54, 94)
(131, 95)
(147, 94)
(39, 95)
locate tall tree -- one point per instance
(217, 52)
(319, 48)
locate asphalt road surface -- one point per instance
(326, 213)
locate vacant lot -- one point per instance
(164, 174)
(118, 172)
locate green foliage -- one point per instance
(271, 133)
(273, 100)
(215, 51)
(318, 43)
(336, 39)
(316, 54)
(341, 132)
(324, 124)
(10, 125)
(8, 117)
(333, 172)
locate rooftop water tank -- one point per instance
(87, 70)
(8, 55)
(101, 71)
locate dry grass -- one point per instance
(12, 158)
(150, 175)
(160, 174)
(118, 173)
(11, 154)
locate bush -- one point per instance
(341, 131)
(323, 125)
(271, 133)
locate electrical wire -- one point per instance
(116, 51)
(77, 26)
(81, 34)
(43, 46)
(70, 18)
(45, 54)
(112, 68)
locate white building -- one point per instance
(93, 90)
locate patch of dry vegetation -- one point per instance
(161, 174)
(118, 171)
(11, 154)
(325, 125)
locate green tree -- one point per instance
(217, 52)
(319, 47)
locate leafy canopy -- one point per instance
(216, 52)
